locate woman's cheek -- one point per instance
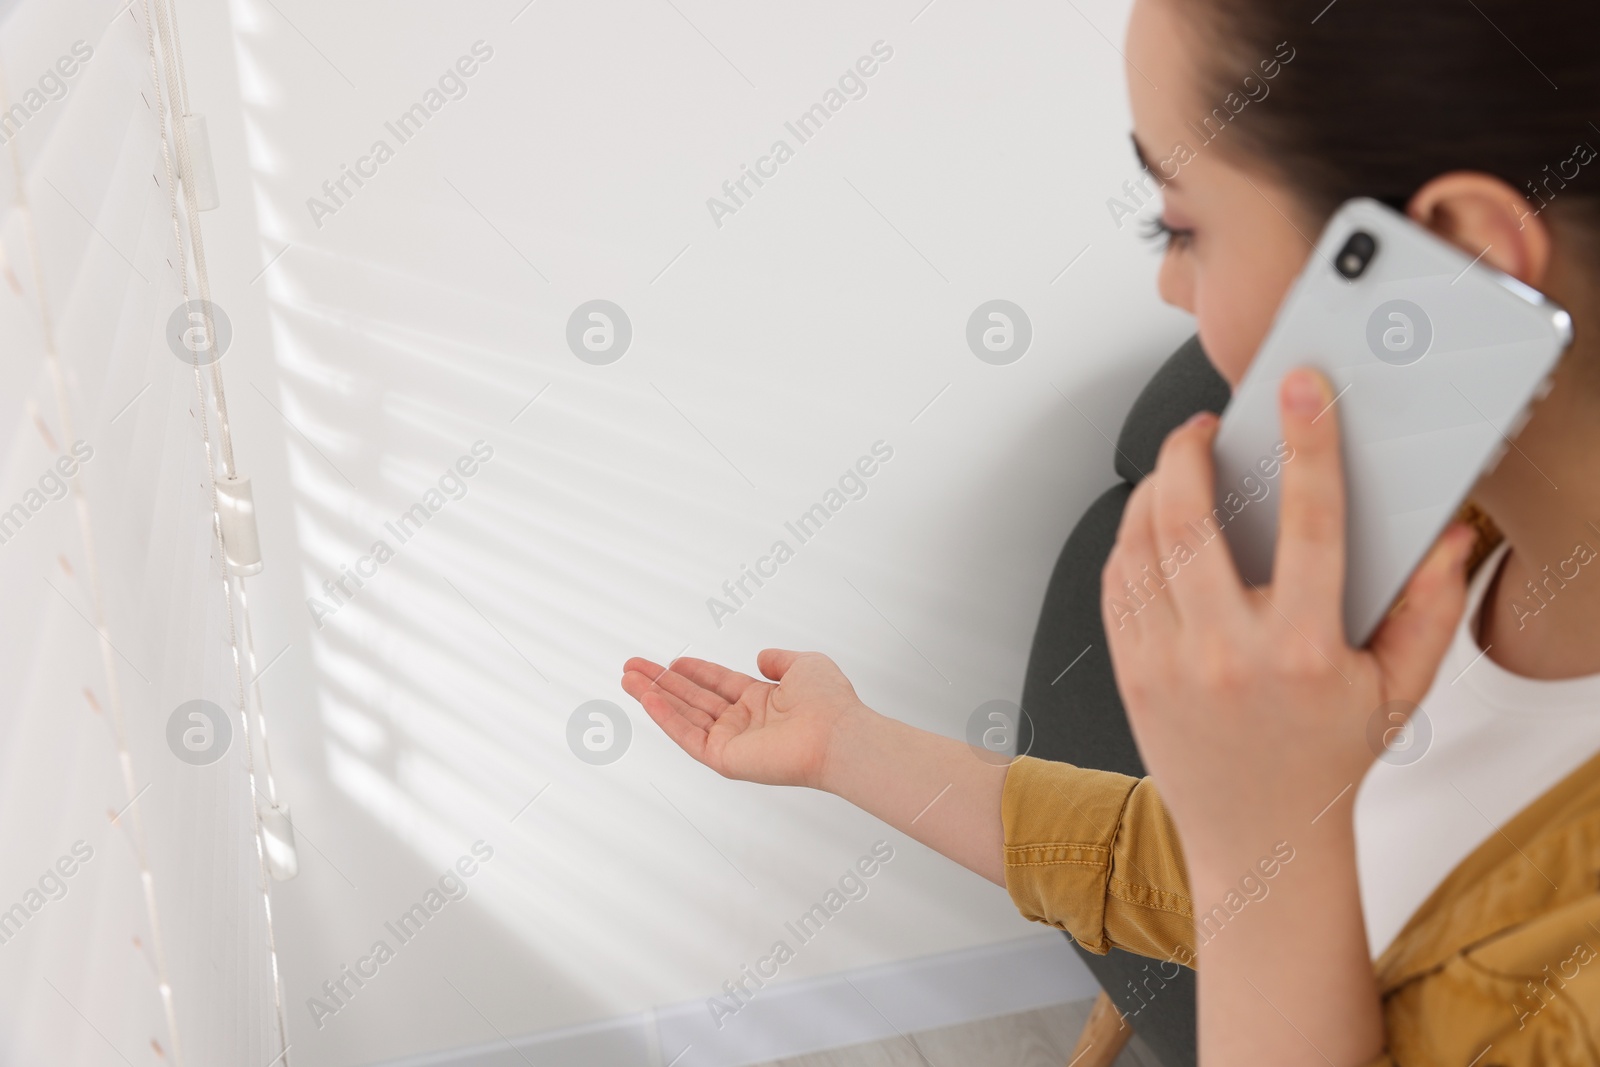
(1246, 309)
(1227, 346)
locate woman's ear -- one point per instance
(1479, 213)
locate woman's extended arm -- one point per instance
(1089, 852)
(811, 729)
(927, 786)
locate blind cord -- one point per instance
(222, 458)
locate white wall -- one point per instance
(768, 354)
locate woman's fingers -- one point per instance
(649, 668)
(699, 707)
(669, 716)
(1309, 564)
(1130, 598)
(727, 684)
(1192, 559)
(1413, 639)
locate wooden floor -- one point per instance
(1043, 1038)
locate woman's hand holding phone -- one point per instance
(1251, 712)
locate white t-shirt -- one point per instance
(1498, 742)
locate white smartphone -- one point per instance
(1434, 358)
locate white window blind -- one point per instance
(134, 896)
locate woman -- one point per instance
(1478, 882)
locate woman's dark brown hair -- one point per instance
(1383, 95)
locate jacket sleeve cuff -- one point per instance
(1094, 853)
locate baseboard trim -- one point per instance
(795, 1018)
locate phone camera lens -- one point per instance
(1356, 255)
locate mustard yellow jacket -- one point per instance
(1498, 967)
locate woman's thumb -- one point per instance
(1413, 639)
(775, 662)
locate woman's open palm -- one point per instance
(776, 733)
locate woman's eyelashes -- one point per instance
(1167, 237)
